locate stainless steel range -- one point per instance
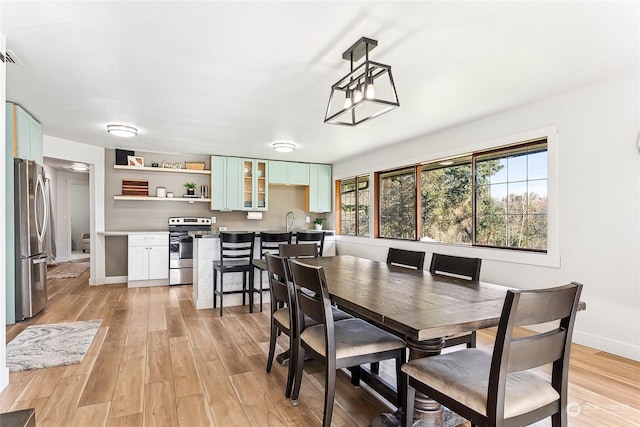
(181, 247)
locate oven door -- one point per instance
(180, 251)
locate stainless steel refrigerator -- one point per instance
(31, 221)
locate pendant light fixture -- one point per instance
(366, 92)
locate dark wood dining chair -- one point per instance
(283, 313)
(405, 258)
(462, 268)
(236, 256)
(498, 389)
(342, 344)
(316, 237)
(269, 243)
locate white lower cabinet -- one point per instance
(148, 260)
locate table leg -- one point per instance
(428, 412)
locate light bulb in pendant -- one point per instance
(347, 99)
(357, 95)
(370, 91)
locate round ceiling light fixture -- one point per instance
(283, 146)
(122, 130)
(79, 168)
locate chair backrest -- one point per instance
(449, 265)
(279, 283)
(270, 242)
(298, 251)
(236, 247)
(312, 296)
(533, 307)
(312, 236)
(405, 258)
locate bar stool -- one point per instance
(236, 255)
(312, 236)
(269, 243)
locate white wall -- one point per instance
(597, 167)
(58, 148)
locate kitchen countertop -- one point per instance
(216, 234)
(126, 233)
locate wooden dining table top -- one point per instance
(410, 303)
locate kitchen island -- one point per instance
(206, 249)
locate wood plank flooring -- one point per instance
(156, 361)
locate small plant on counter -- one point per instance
(191, 187)
(318, 222)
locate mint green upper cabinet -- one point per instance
(225, 183)
(319, 190)
(298, 173)
(26, 136)
(288, 173)
(255, 190)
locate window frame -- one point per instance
(356, 190)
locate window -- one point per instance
(494, 198)
(354, 206)
(397, 204)
(446, 201)
(511, 197)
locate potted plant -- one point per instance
(191, 188)
(318, 222)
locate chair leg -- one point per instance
(355, 376)
(272, 345)
(291, 371)
(215, 288)
(221, 291)
(329, 393)
(400, 376)
(299, 361)
(375, 367)
(472, 343)
(408, 400)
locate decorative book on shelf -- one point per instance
(135, 187)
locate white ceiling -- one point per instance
(229, 78)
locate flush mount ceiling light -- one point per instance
(79, 168)
(365, 93)
(122, 130)
(283, 146)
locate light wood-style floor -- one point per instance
(156, 361)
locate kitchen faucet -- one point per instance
(289, 223)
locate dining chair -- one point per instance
(347, 343)
(462, 268)
(312, 236)
(236, 255)
(283, 314)
(499, 389)
(269, 242)
(405, 258)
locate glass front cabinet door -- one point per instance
(254, 185)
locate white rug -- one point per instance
(67, 270)
(56, 344)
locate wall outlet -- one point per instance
(307, 219)
(213, 220)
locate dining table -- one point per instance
(419, 307)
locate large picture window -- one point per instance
(494, 198)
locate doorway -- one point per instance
(79, 218)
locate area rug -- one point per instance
(67, 270)
(55, 344)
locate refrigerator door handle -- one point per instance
(41, 193)
(40, 261)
